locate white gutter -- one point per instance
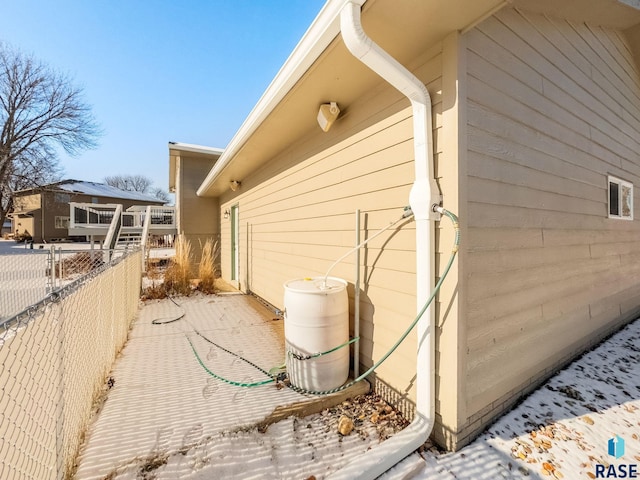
(316, 39)
(424, 194)
(190, 147)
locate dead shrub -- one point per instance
(22, 237)
(154, 292)
(155, 273)
(177, 276)
(155, 268)
(78, 264)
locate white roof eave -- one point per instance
(324, 29)
(189, 147)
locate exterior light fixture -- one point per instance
(234, 185)
(327, 114)
(226, 214)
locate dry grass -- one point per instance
(154, 292)
(155, 272)
(78, 264)
(177, 277)
(207, 271)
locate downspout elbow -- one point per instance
(425, 191)
(424, 194)
(368, 52)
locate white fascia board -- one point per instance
(188, 147)
(316, 39)
(631, 3)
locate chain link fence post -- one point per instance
(55, 354)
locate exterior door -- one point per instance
(235, 241)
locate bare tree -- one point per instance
(161, 194)
(27, 174)
(129, 183)
(137, 183)
(40, 111)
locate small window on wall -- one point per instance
(62, 222)
(620, 199)
(62, 198)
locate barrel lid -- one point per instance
(316, 285)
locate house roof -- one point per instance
(320, 69)
(197, 151)
(93, 189)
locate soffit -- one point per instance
(191, 151)
(404, 28)
(619, 14)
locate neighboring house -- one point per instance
(43, 212)
(188, 165)
(6, 227)
(536, 139)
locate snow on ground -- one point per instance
(23, 279)
(24, 271)
(562, 429)
(11, 246)
(166, 419)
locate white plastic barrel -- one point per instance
(316, 320)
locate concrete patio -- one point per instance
(165, 417)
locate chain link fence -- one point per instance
(56, 354)
(23, 280)
(27, 277)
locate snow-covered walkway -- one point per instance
(165, 418)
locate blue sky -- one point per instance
(158, 71)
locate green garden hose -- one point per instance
(273, 377)
(231, 382)
(454, 251)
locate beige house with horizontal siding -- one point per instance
(535, 108)
(43, 213)
(197, 218)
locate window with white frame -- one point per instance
(62, 222)
(620, 198)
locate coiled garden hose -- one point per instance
(297, 356)
(273, 377)
(165, 320)
(454, 251)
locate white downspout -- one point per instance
(424, 193)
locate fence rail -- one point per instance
(55, 357)
(28, 276)
(23, 280)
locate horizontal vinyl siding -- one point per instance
(554, 107)
(197, 216)
(297, 216)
